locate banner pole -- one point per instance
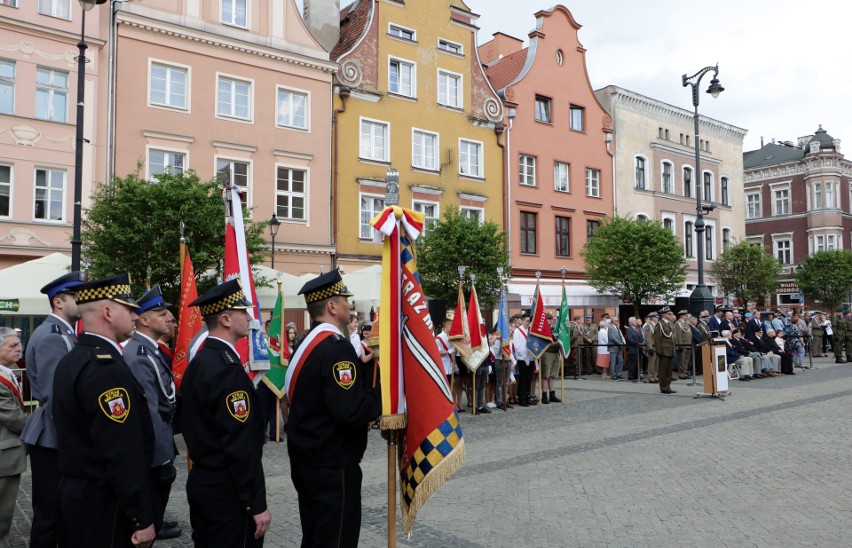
(473, 405)
(391, 488)
(277, 420)
(561, 327)
(540, 382)
(182, 260)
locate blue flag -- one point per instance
(503, 326)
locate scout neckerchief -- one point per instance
(316, 336)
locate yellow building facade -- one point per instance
(411, 94)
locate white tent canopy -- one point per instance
(366, 287)
(290, 286)
(579, 295)
(23, 282)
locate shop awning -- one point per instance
(20, 285)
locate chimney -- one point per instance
(322, 17)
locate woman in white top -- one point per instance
(603, 351)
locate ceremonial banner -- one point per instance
(190, 318)
(413, 381)
(252, 350)
(279, 349)
(479, 349)
(563, 325)
(460, 328)
(503, 326)
(540, 335)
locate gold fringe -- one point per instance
(393, 422)
(433, 480)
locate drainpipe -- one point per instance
(499, 131)
(508, 186)
(335, 175)
(608, 139)
(111, 83)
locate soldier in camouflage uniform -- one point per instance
(841, 335)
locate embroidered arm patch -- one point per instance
(115, 404)
(238, 405)
(344, 374)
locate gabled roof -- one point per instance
(353, 21)
(772, 154)
(503, 72)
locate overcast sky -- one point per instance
(785, 64)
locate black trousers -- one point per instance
(164, 477)
(88, 515)
(44, 463)
(525, 375)
(218, 518)
(632, 364)
(329, 504)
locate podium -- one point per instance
(715, 363)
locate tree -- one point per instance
(635, 259)
(459, 240)
(826, 276)
(134, 224)
(746, 271)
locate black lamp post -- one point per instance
(274, 225)
(78, 150)
(701, 298)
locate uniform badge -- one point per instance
(238, 405)
(344, 374)
(115, 403)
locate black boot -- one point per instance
(553, 397)
(848, 358)
(544, 399)
(839, 359)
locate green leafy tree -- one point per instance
(134, 224)
(826, 276)
(746, 271)
(458, 240)
(635, 259)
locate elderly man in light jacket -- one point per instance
(13, 455)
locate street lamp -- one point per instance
(274, 225)
(78, 150)
(701, 298)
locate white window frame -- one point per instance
(52, 90)
(420, 205)
(231, 22)
(777, 240)
(392, 27)
(468, 212)
(830, 194)
(9, 3)
(526, 170)
(293, 92)
(832, 242)
(776, 198)
(166, 150)
(387, 143)
(671, 183)
(582, 110)
(235, 80)
(373, 213)
(669, 217)
(9, 83)
(730, 239)
(557, 176)
(400, 62)
(480, 167)
(52, 8)
(247, 188)
(293, 194)
(459, 95)
(169, 66)
(589, 187)
(688, 189)
(646, 183)
(750, 212)
(49, 171)
(11, 185)
(448, 46)
(436, 148)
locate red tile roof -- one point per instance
(353, 21)
(506, 69)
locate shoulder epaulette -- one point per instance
(338, 338)
(142, 351)
(55, 329)
(104, 358)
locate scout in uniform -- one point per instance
(223, 429)
(153, 371)
(103, 427)
(49, 343)
(664, 345)
(332, 403)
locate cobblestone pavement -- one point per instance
(618, 464)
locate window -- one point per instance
(708, 240)
(668, 224)
(593, 182)
(829, 194)
(592, 228)
(831, 242)
(542, 109)
(51, 94)
(641, 217)
(370, 207)
(819, 243)
(563, 236)
(473, 213)
(429, 209)
(726, 238)
(234, 98)
(784, 251)
(168, 86)
(235, 173)
(163, 161)
(708, 186)
(687, 239)
(7, 87)
(687, 182)
(401, 32)
(667, 184)
(5, 191)
(528, 228)
(639, 178)
(401, 78)
(10, 3)
(781, 201)
(560, 177)
(578, 114)
(451, 47)
(49, 194)
(817, 195)
(290, 194)
(449, 89)
(374, 140)
(292, 109)
(527, 170)
(726, 197)
(55, 8)
(424, 153)
(234, 12)
(753, 205)
(470, 158)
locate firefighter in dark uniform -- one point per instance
(223, 429)
(332, 403)
(104, 429)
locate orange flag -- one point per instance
(190, 320)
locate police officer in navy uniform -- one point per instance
(153, 372)
(332, 403)
(223, 429)
(104, 429)
(49, 343)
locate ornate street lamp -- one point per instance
(274, 225)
